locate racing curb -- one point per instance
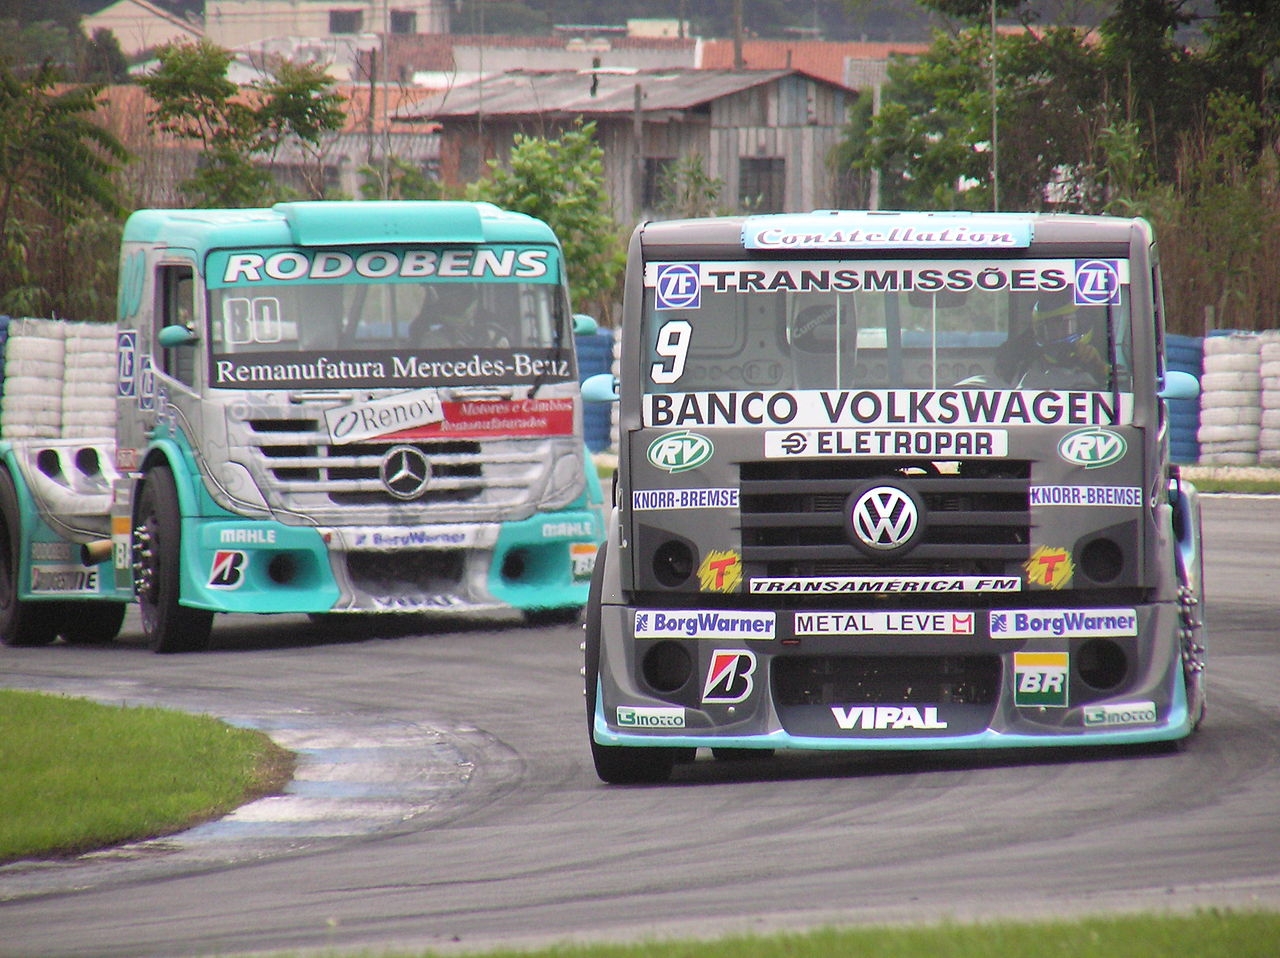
(356, 775)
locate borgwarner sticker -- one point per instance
(816, 443)
(876, 585)
(816, 408)
(691, 624)
(884, 623)
(1062, 623)
(634, 716)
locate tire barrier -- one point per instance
(59, 379)
(1185, 354)
(1231, 389)
(595, 355)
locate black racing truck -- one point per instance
(892, 481)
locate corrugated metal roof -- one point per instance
(822, 58)
(589, 93)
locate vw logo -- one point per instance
(884, 519)
(405, 471)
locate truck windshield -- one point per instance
(1042, 324)
(343, 318)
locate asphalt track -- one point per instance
(446, 800)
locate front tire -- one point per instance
(615, 764)
(536, 618)
(157, 571)
(22, 622)
(93, 623)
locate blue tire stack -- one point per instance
(1184, 353)
(595, 355)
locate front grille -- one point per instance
(407, 572)
(976, 517)
(924, 680)
(304, 471)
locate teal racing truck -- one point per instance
(329, 408)
(892, 481)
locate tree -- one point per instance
(196, 101)
(561, 182)
(686, 189)
(56, 169)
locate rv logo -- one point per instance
(679, 451)
(1092, 447)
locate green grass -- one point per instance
(1205, 934)
(76, 775)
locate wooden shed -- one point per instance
(765, 134)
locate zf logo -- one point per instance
(1097, 282)
(228, 569)
(678, 287)
(729, 677)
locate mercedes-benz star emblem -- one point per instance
(405, 471)
(884, 519)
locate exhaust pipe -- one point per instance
(93, 553)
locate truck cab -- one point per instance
(340, 408)
(892, 481)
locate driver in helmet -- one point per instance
(1058, 349)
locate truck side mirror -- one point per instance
(176, 336)
(1179, 385)
(584, 325)
(602, 387)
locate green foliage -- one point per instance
(561, 182)
(1127, 122)
(56, 169)
(925, 139)
(195, 101)
(1220, 224)
(397, 179)
(27, 46)
(686, 189)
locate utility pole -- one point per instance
(995, 131)
(738, 62)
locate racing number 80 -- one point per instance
(673, 347)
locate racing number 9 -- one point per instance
(673, 347)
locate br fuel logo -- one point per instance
(1040, 679)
